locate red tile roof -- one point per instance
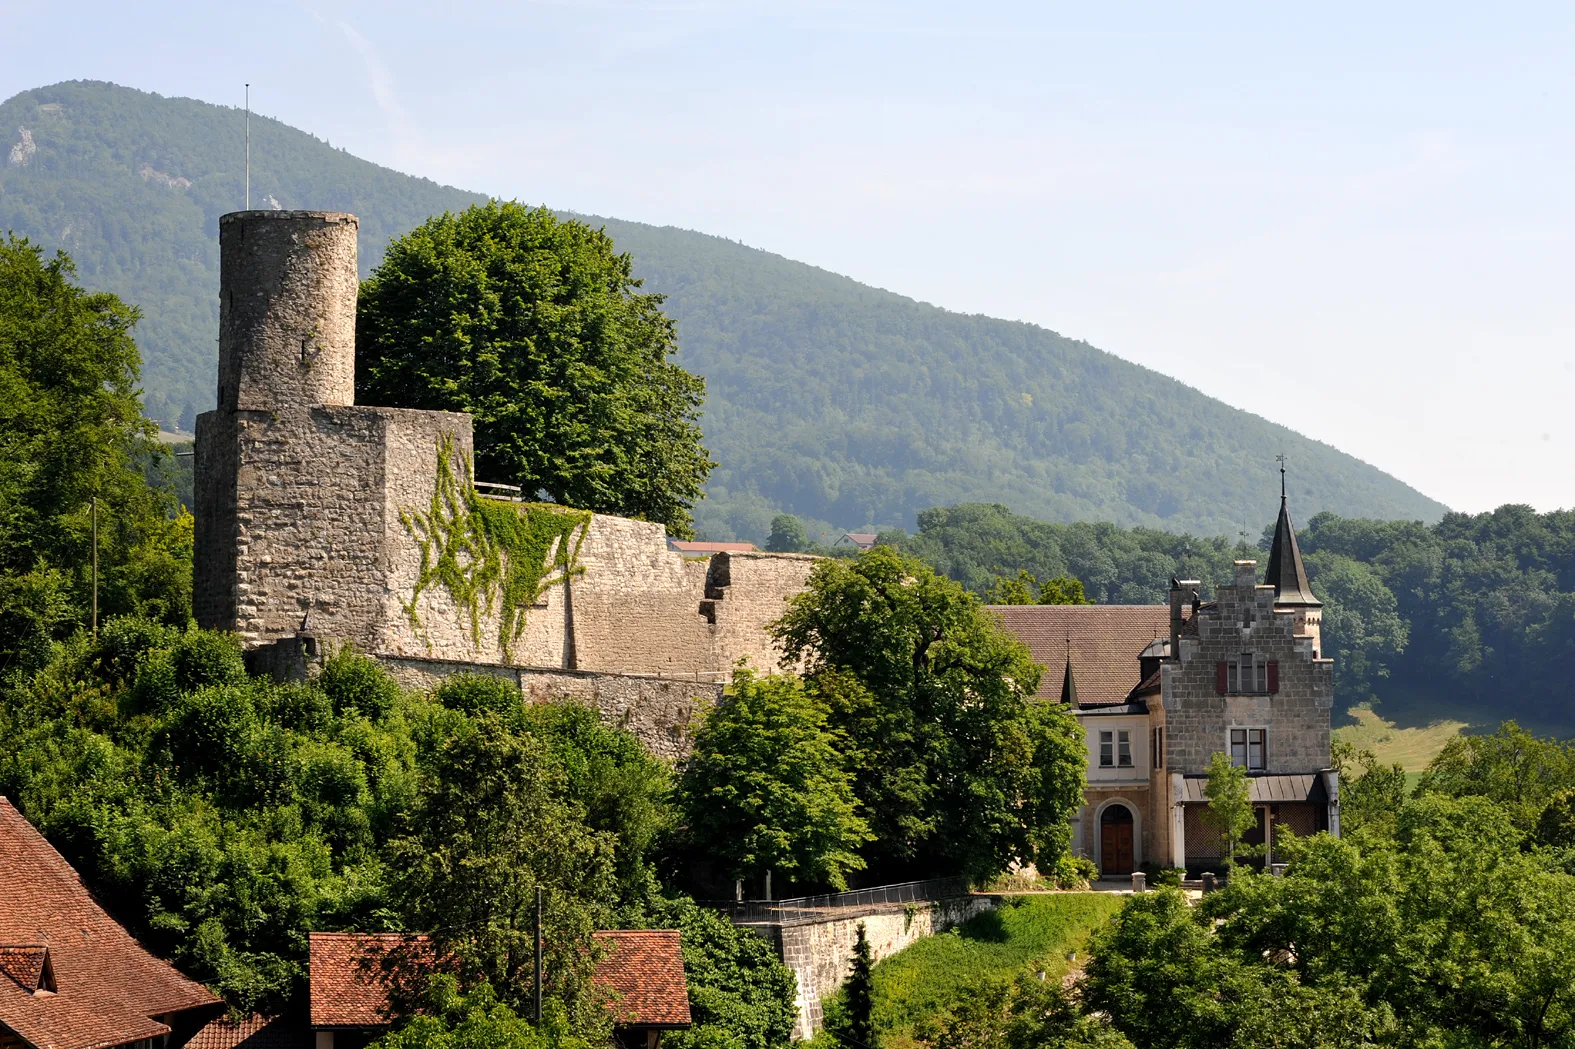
(349, 982)
(643, 969)
(1105, 643)
(25, 965)
(108, 987)
(253, 1032)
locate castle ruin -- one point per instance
(308, 508)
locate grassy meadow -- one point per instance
(1411, 748)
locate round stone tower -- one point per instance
(287, 298)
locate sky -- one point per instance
(1352, 219)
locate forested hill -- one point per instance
(844, 404)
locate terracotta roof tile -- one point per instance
(645, 970)
(1105, 643)
(108, 987)
(350, 983)
(24, 964)
(253, 1032)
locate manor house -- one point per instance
(1160, 689)
(322, 522)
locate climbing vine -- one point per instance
(490, 555)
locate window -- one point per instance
(1107, 755)
(1249, 748)
(1158, 747)
(1124, 749)
(1247, 675)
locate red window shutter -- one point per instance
(1274, 676)
(1219, 678)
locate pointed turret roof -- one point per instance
(1068, 684)
(1286, 572)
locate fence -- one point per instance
(841, 904)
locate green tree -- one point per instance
(1371, 795)
(1029, 1013)
(71, 429)
(741, 996)
(1010, 591)
(961, 771)
(444, 1017)
(766, 787)
(787, 535)
(1511, 767)
(1230, 808)
(857, 1029)
(536, 326)
(491, 825)
(1063, 590)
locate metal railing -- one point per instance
(841, 904)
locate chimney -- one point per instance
(1181, 591)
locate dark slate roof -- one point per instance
(1069, 686)
(1106, 641)
(1286, 572)
(1266, 790)
(1137, 706)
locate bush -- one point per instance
(355, 684)
(1074, 872)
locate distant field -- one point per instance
(928, 977)
(1411, 748)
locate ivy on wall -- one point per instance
(488, 554)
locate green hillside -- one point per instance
(836, 401)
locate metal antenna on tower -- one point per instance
(1281, 460)
(248, 146)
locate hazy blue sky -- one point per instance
(1356, 223)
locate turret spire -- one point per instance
(1286, 573)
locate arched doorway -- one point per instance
(1115, 841)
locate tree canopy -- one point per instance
(535, 325)
(767, 787)
(960, 770)
(71, 430)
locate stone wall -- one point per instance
(303, 503)
(821, 953)
(660, 712)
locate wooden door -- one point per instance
(1115, 842)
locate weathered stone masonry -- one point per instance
(300, 491)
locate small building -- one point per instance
(350, 972)
(859, 540)
(1160, 689)
(70, 976)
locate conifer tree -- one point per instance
(858, 995)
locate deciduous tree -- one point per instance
(767, 788)
(961, 770)
(537, 327)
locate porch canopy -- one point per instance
(1304, 787)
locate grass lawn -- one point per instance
(1038, 930)
(1412, 748)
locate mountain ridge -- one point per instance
(842, 402)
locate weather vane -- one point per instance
(1281, 460)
